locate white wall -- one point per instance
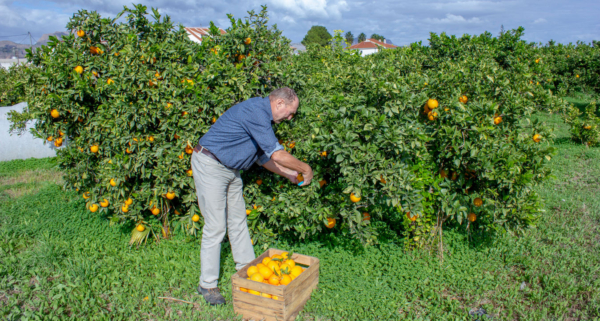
(6, 63)
(23, 146)
(365, 52)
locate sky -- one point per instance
(403, 22)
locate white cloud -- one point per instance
(451, 19)
(288, 19)
(312, 8)
(540, 20)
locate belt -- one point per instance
(205, 151)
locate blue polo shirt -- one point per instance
(243, 135)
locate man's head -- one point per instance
(284, 104)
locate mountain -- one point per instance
(9, 49)
(46, 38)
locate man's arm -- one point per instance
(282, 171)
(286, 160)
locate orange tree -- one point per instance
(438, 137)
(13, 82)
(133, 98)
(402, 140)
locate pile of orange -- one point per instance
(278, 270)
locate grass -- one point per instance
(59, 261)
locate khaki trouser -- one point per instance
(221, 201)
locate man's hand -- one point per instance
(286, 160)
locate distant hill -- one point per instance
(9, 49)
(46, 38)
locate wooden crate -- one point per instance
(291, 298)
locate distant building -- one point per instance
(371, 46)
(297, 47)
(197, 33)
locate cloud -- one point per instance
(450, 18)
(312, 8)
(540, 20)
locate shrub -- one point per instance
(133, 98)
(585, 130)
(13, 82)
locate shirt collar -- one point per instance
(267, 106)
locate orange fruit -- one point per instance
(86, 195)
(537, 61)
(93, 208)
(170, 195)
(266, 295)
(454, 176)
(259, 182)
(537, 138)
(285, 268)
(244, 290)
(432, 103)
(58, 142)
(189, 173)
(322, 183)
(366, 216)
(411, 217)
(443, 173)
(214, 120)
(50, 138)
(195, 218)
(247, 41)
(80, 33)
(274, 280)
(259, 265)
(274, 297)
(104, 203)
(330, 222)
(125, 208)
(253, 292)
(381, 179)
(271, 264)
(110, 81)
(285, 279)
(587, 127)
(324, 153)
(266, 260)
(497, 120)
(248, 212)
(155, 210)
(129, 201)
(577, 76)
(432, 115)
(426, 110)
(290, 263)
(257, 277)
(112, 182)
(354, 198)
(277, 257)
(188, 150)
(478, 202)
(140, 228)
(265, 272)
(463, 99)
(292, 144)
(54, 113)
(471, 217)
(296, 270)
(79, 69)
(300, 178)
(251, 270)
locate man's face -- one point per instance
(282, 111)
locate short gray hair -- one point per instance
(285, 93)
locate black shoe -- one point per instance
(212, 296)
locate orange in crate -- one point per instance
(265, 301)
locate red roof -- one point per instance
(201, 31)
(371, 44)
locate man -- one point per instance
(241, 137)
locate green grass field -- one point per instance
(59, 261)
